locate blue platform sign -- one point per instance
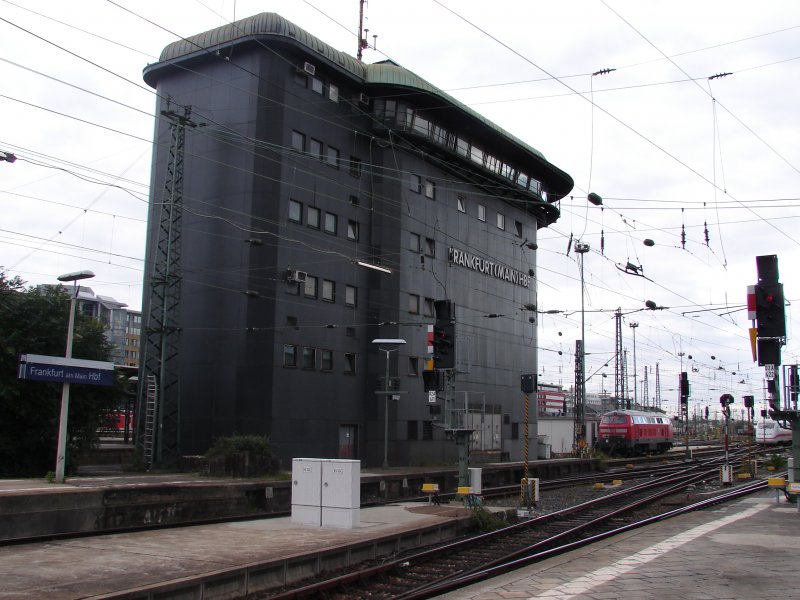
(38, 367)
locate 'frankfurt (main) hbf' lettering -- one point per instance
(487, 267)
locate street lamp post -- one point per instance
(386, 392)
(61, 453)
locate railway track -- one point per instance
(433, 571)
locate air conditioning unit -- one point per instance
(296, 276)
(308, 68)
(363, 99)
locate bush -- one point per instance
(242, 456)
(777, 461)
(484, 520)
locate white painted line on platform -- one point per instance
(583, 584)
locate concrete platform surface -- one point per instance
(749, 549)
(102, 565)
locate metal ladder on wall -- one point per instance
(150, 420)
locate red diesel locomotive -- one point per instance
(632, 432)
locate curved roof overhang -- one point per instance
(270, 27)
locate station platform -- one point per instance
(224, 560)
(744, 549)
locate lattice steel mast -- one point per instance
(162, 327)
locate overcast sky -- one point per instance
(668, 149)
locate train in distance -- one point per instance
(772, 433)
(634, 432)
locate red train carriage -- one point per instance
(632, 432)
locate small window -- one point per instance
(295, 211)
(289, 355)
(328, 290)
(462, 204)
(291, 321)
(430, 189)
(309, 358)
(298, 141)
(350, 363)
(312, 217)
(317, 85)
(412, 433)
(331, 223)
(518, 228)
(350, 332)
(333, 92)
(355, 167)
(415, 243)
(354, 200)
(333, 157)
(427, 430)
(414, 183)
(311, 286)
(427, 307)
(413, 304)
(413, 366)
(501, 221)
(515, 431)
(352, 230)
(315, 148)
(481, 212)
(350, 295)
(326, 360)
(430, 247)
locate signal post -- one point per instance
(765, 306)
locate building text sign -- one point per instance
(487, 267)
(38, 367)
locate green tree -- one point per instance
(34, 321)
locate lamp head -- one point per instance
(76, 276)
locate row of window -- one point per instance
(401, 116)
(317, 85)
(326, 154)
(415, 184)
(313, 359)
(325, 290)
(324, 220)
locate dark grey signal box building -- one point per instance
(325, 203)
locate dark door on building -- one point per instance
(347, 441)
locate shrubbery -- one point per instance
(242, 456)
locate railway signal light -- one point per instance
(770, 316)
(684, 387)
(444, 335)
(726, 399)
(432, 381)
(749, 401)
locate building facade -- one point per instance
(326, 203)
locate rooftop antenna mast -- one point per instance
(362, 39)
